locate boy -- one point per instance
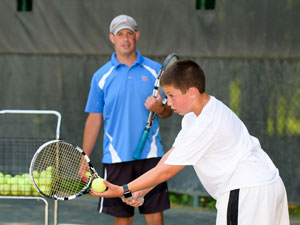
(229, 162)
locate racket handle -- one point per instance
(139, 149)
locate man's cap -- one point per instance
(122, 22)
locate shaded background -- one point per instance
(249, 51)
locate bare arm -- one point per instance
(153, 177)
(91, 131)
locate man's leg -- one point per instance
(123, 221)
(122, 213)
(154, 218)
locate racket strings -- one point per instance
(172, 60)
(66, 163)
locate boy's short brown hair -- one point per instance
(183, 75)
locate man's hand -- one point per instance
(154, 104)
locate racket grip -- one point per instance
(139, 149)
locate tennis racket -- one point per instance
(62, 171)
(171, 58)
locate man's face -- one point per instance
(180, 103)
(125, 42)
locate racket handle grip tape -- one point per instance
(139, 149)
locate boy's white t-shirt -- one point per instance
(224, 155)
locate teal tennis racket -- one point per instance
(171, 58)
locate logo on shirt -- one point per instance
(144, 78)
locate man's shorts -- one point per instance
(157, 200)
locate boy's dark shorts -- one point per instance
(156, 200)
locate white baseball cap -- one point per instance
(122, 22)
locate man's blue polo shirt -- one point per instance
(119, 92)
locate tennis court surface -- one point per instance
(83, 211)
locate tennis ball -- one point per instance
(6, 189)
(25, 175)
(1, 189)
(50, 168)
(7, 178)
(37, 181)
(27, 180)
(21, 181)
(42, 180)
(14, 189)
(2, 179)
(48, 173)
(32, 188)
(35, 193)
(43, 173)
(45, 189)
(27, 189)
(98, 185)
(13, 180)
(21, 189)
(35, 174)
(87, 174)
(48, 180)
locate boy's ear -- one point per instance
(192, 91)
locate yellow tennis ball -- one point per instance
(35, 174)
(98, 185)
(50, 168)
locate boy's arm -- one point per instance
(140, 194)
(153, 177)
(163, 159)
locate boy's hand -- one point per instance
(136, 200)
(111, 192)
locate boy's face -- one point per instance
(180, 103)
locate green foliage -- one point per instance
(235, 96)
(181, 199)
(188, 200)
(207, 202)
(294, 210)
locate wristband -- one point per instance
(127, 193)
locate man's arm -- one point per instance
(91, 131)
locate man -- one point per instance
(228, 161)
(120, 97)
